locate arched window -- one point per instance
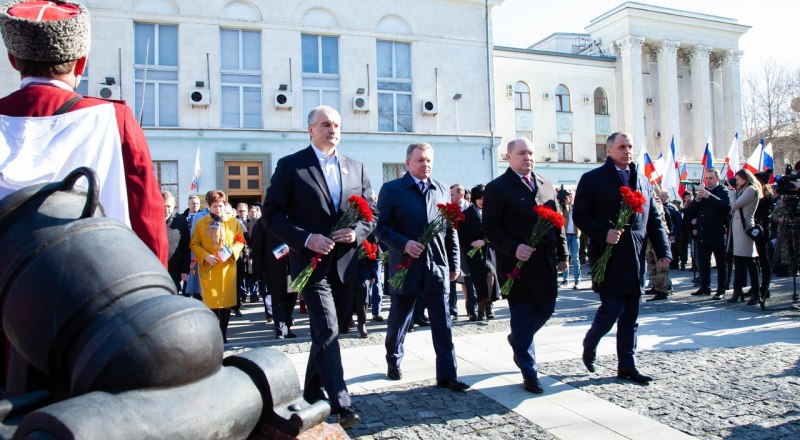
(522, 96)
(562, 99)
(600, 102)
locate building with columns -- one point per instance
(655, 72)
(234, 80)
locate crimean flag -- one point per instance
(756, 158)
(708, 156)
(732, 159)
(196, 177)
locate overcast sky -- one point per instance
(774, 31)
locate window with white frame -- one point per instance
(394, 86)
(562, 99)
(320, 71)
(393, 171)
(240, 72)
(600, 102)
(156, 74)
(166, 172)
(564, 148)
(522, 96)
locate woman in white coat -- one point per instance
(744, 199)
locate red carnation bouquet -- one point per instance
(449, 215)
(368, 250)
(548, 219)
(358, 210)
(632, 202)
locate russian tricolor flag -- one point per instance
(756, 158)
(767, 162)
(649, 168)
(708, 156)
(683, 174)
(196, 177)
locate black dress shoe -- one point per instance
(702, 291)
(394, 373)
(533, 385)
(634, 375)
(377, 318)
(588, 358)
(422, 323)
(290, 335)
(237, 312)
(453, 318)
(348, 417)
(453, 384)
(660, 296)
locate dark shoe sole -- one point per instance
(350, 421)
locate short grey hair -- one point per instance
(194, 197)
(312, 115)
(424, 146)
(613, 137)
(513, 143)
(713, 170)
(168, 196)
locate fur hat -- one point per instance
(45, 31)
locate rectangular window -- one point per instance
(320, 71)
(393, 171)
(83, 87)
(166, 172)
(394, 87)
(564, 147)
(601, 152)
(240, 71)
(156, 74)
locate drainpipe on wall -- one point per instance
(489, 88)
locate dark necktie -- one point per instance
(422, 186)
(625, 176)
(527, 180)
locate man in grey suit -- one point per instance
(406, 206)
(306, 196)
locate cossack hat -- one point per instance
(45, 31)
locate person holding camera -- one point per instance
(711, 208)
(762, 218)
(744, 192)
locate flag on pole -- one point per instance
(767, 161)
(732, 159)
(648, 167)
(640, 158)
(683, 174)
(753, 163)
(708, 156)
(196, 177)
(671, 172)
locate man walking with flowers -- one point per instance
(614, 206)
(311, 205)
(417, 224)
(521, 220)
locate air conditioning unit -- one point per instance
(510, 91)
(546, 96)
(551, 146)
(200, 98)
(430, 107)
(106, 91)
(658, 134)
(284, 100)
(587, 100)
(649, 101)
(361, 103)
(689, 105)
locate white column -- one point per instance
(732, 96)
(701, 100)
(721, 139)
(668, 93)
(630, 51)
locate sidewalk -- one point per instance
(693, 346)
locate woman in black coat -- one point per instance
(481, 269)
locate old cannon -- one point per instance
(100, 347)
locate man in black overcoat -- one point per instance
(508, 219)
(178, 256)
(597, 201)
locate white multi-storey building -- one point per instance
(235, 79)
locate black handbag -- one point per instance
(755, 232)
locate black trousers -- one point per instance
(471, 298)
(324, 369)
(745, 266)
(622, 308)
(704, 252)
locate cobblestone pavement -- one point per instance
(743, 393)
(423, 411)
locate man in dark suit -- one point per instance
(406, 206)
(597, 201)
(178, 256)
(307, 194)
(273, 271)
(508, 219)
(711, 209)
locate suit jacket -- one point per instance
(597, 202)
(178, 250)
(508, 220)
(298, 204)
(404, 214)
(265, 266)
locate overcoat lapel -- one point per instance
(316, 173)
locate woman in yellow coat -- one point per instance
(217, 241)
